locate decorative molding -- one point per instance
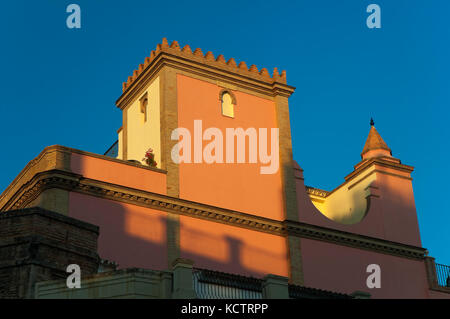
(196, 66)
(55, 157)
(209, 59)
(316, 192)
(381, 162)
(350, 178)
(76, 183)
(353, 240)
(230, 92)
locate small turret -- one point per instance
(375, 145)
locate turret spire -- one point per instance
(375, 145)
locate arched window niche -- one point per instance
(228, 102)
(144, 104)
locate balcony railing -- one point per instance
(218, 285)
(113, 151)
(443, 275)
(209, 284)
(300, 292)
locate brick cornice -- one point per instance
(41, 240)
(55, 157)
(43, 213)
(377, 163)
(76, 183)
(213, 71)
(207, 59)
(353, 240)
(381, 163)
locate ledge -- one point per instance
(179, 61)
(55, 157)
(76, 183)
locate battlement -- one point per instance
(208, 59)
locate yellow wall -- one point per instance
(144, 135)
(120, 144)
(347, 204)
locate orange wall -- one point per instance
(130, 235)
(230, 249)
(343, 269)
(118, 173)
(391, 216)
(235, 186)
(399, 210)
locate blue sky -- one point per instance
(58, 86)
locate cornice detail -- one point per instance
(380, 162)
(198, 65)
(353, 240)
(209, 59)
(76, 183)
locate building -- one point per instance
(224, 199)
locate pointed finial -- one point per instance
(242, 65)
(209, 56)
(253, 68)
(175, 45)
(264, 72)
(375, 146)
(275, 72)
(187, 49)
(198, 52)
(221, 59)
(165, 43)
(231, 62)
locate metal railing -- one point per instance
(210, 284)
(443, 275)
(300, 292)
(113, 151)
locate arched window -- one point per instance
(144, 103)
(228, 102)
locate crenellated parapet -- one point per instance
(209, 59)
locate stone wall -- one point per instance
(38, 245)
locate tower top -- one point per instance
(375, 145)
(208, 59)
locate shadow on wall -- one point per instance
(391, 212)
(130, 235)
(230, 249)
(136, 236)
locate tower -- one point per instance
(173, 88)
(178, 88)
